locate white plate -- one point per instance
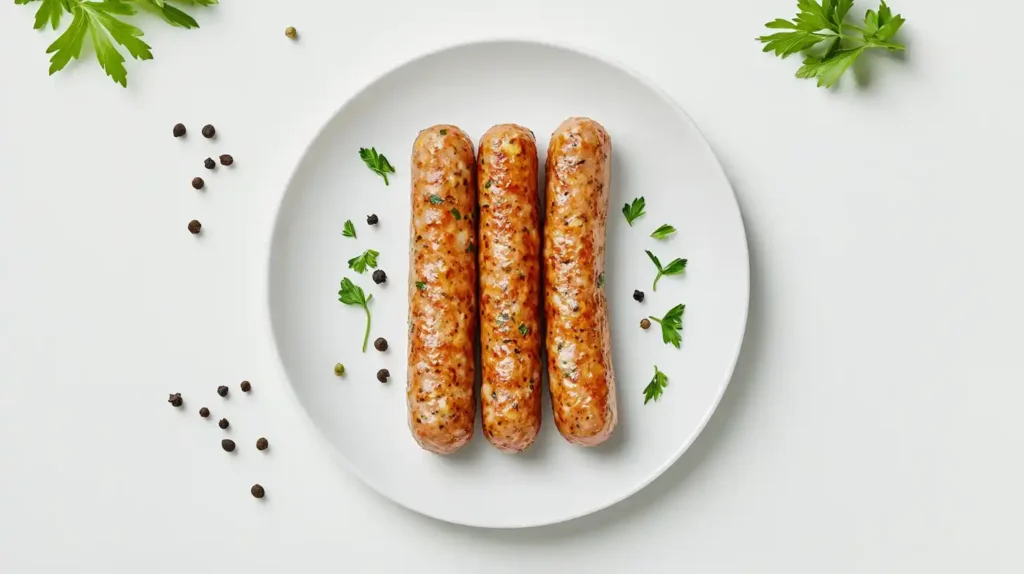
(657, 152)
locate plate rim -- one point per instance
(311, 425)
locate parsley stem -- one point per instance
(655, 287)
(366, 337)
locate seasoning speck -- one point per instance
(262, 444)
(645, 323)
(372, 219)
(204, 412)
(223, 423)
(257, 491)
(174, 399)
(381, 344)
(227, 444)
(209, 131)
(222, 391)
(226, 160)
(339, 370)
(382, 375)
(379, 276)
(208, 163)
(198, 183)
(638, 296)
(179, 130)
(246, 386)
(194, 227)
(291, 33)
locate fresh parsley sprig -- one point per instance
(825, 23)
(360, 263)
(349, 230)
(352, 294)
(672, 325)
(103, 23)
(656, 386)
(663, 231)
(377, 163)
(633, 210)
(676, 267)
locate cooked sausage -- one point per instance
(509, 287)
(442, 290)
(580, 372)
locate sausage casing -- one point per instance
(442, 290)
(509, 258)
(580, 373)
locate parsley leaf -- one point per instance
(436, 199)
(671, 325)
(663, 231)
(455, 213)
(656, 386)
(421, 285)
(352, 294)
(367, 259)
(633, 210)
(377, 163)
(350, 230)
(825, 23)
(523, 329)
(676, 267)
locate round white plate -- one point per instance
(658, 153)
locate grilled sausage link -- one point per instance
(580, 372)
(509, 260)
(442, 290)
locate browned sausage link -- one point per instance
(509, 287)
(442, 290)
(580, 370)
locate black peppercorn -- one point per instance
(257, 491)
(204, 412)
(638, 296)
(198, 183)
(194, 227)
(226, 159)
(223, 423)
(372, 219)
(222, 391)
(379, 276)
(209, 131)
(381, 344)
(179, 130)
(174, 399)
(228, 445)
(382, 375)
(208, 163)
(246, 387)
(262, 444)
(645, 324)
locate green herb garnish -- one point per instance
(672, 325)
(676, 267)
(436, 199)
(663, 231)
(421, 285)
(352, 294)
(444, 132)
(488, 184)
(350, 230)
(656, 386)
(367, 259)
(600, 280)
(523, 329)
(471, 248)
(824, 23)
(455, 213)
(377, 163)
(634, 210)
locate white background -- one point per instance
(874, 421)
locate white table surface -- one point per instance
(874, 423)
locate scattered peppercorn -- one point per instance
(291, 32)
(372, 219)
(194, 227)
(204, 412)
(226, 159)
(222, 391)
(379, 276)
(339, 370)
(174, 399)
(209, 131)
(198, 183)
(645, 324)
(227, 444)
(223, 423)
(638, 296)
(257, 491)
(262, 444)
(382, 375)
(179, 130)
(208, 163)
(246, 386)
(381, 344)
